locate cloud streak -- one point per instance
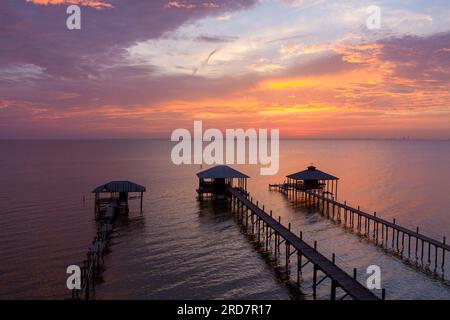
(86, 3)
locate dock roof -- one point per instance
(312, 174)
(221, 172)
(119, 186)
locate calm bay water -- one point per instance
(181, 249)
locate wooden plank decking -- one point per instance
(372, 217)
(428, 251)
(352, 287)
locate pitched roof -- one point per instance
(221, 172)
(119, 186)
(312, 174)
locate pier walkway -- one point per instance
(264, 227)
(387, 234)
(91, 267)
(106, 209)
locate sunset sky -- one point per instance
(144, 68)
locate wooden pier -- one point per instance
(266, 230)
(92, 265)
(407, 244)
(106, 211)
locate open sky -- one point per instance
(142, 68)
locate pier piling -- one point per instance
(295, 245)
(368, 225)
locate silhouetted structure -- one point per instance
(106, 211)
(311, 179)
(271, 234)
(312, 188)
(314, 179)
(118, 195)
(214, 181)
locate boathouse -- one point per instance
(215, 181)
(314, 179)
(118, 195)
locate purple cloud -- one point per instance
(36, 34)
(424, 59)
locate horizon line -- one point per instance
(168, 139)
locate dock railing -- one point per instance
(266, 230)
(431, 253)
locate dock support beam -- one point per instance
(391, 237)
(267, 226)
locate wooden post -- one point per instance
(267, 237)
(398, 236)
(246, 220)
(336, 194)
(299, 265)
(417, 242)
(375, 229)
(429, 253)
(259, 230)
(142, 196)
(403, 242)
(332, 188)
(421, 258)
(333, 290)
(253, 223)
(409, 246)
(288, 253)
(276, 246)
(314, 282)
(393, 237)
(435, 258)
(443, 257)
(386, 238)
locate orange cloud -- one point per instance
(179, 5)
(87, 3)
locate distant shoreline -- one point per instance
(168, 139)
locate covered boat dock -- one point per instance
(118, 195)
(215, 181)
(311, 179)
